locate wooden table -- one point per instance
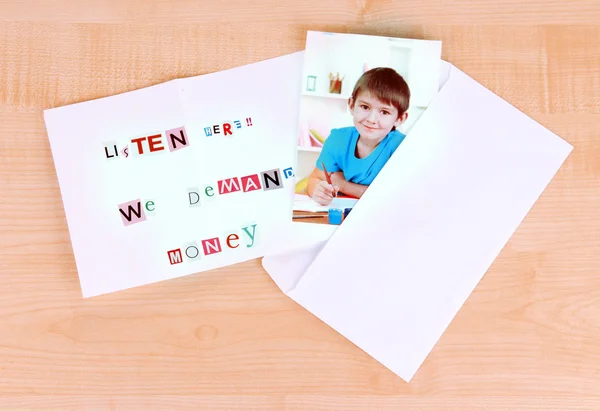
(528, 338)
(310, 217)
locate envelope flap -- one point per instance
(298, 244)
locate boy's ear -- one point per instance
(401, 119)
(350, 104)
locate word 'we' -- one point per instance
(133, 212)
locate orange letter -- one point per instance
(139, 144)
(235, 237)
(153, 143)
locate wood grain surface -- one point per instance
(527, 339)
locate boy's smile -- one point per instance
(374, 119)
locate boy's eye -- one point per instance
(385, 112)
(364, 107)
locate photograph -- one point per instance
(361, 95)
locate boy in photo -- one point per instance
(353, 156)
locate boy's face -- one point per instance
(372, 118)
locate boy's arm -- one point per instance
(346, 187)
(317, 186)
(319, 189)
(315, 177)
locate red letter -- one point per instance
(175, 256)
(211, 243)
(250, 183)
(153, 143)
(228, 186)
(235, 237)
(139, 144)
(227, 129)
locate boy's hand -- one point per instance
(324, 193)
(337, 179)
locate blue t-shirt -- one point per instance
(338, 154)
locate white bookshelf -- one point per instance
(310, 149)
(326, 95)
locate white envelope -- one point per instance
(392, 277)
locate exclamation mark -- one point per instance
(249, 122)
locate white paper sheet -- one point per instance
(260, 102)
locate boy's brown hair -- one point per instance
(385, 84)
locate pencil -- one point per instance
(328, 177)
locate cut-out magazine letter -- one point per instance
(392, 277)
(178, 178)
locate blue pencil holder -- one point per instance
(335, 216)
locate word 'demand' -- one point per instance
(265, 180)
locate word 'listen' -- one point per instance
(176, 139)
